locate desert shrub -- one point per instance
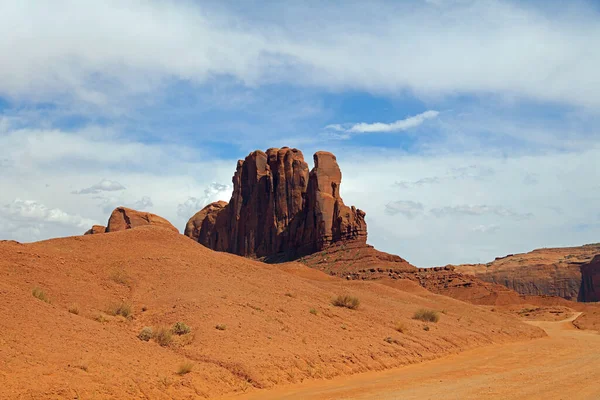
(350, 302)
(313, 311)
(74, 309)
(185, 368)
(100, 318)
(427, 315)
(122, 308)
(163, 336)
(120, 276)
(180, 328)
(400, 327)
(221, 327)
(146, 334)
(40, 295)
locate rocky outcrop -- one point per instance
(549, 272)
(95, 229)
(590, 281)
(123, 218)
(279, 210)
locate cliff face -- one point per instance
(550, 272)
(279, 209)
(590, 281)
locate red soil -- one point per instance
(271, 337)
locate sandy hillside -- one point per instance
(277, 324)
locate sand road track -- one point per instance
(564, 365)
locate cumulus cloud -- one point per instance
(149, 41)
(400, 125)
(104, 185)
(409, 209)
(28, 220)
(214, 192)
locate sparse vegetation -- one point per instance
(180, 328)
(426, 328)
(185, 368)
(346, 301)
(313, 311)
(123, 309)
(163, 336)
(100, 318)
(146, 334)
(40, 295)
(120, 276)
(74, 309)
(426, 315)
(400, 327)
(221, 327)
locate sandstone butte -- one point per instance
(561, 272)
(123, 218)
(281, 211)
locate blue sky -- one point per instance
(465, 129)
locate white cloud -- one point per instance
(480, 47)
(28, 220)
(409, 209)
(104, 185)
(214, 192)
(474, 210)
(400, 125)
(486, 228)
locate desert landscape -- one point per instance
(277, 295)
(301, 200)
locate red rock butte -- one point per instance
(279, 209)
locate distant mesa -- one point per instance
(123, 218)
(590, 281)
(281, 211)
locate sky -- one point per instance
(464, 129)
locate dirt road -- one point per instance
(564, 365)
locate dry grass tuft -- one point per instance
(74, 309)
(120, 276)
(346, 301)
(40, 295)
(426, 315)
(123, 309)
(313, 311)
(400, 327)
(180, 328)
(185, 368)
(163, 336)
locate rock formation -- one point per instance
(590, 281)
(95, 229)
(125, 218)
(280, 211)
(549, 272)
